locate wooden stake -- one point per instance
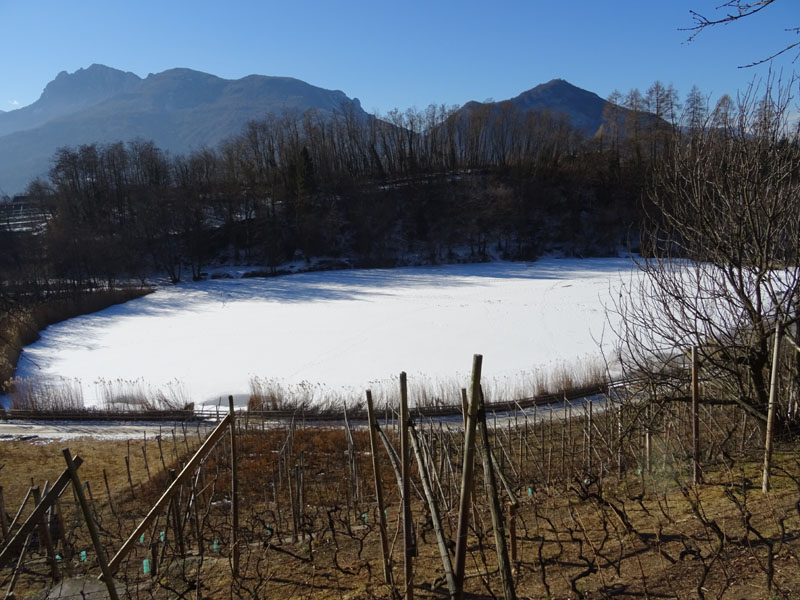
(44, 536)
(697, 476)
(16, 573)
(408, 539)
(373, 447)
(773, 386)
(87, 515)
(466, 475)
(234, 492)
(144, 454)
(512, 532)
(3, 518)
(464, 406)
(495, 509)
(434, 511)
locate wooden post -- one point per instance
(773, 386)
(512, 532)
(154, 559)
(44, 536)
(3, 518)
(161, 450)
(87, 515)
(234, 492)
(373, 447)
(351, 457)
(298, 480)
(408, 540)
(495, 509)
(697, 476)
(130, 480)
(144, 455)
(466, 475)
(464, 406)
(435, 517)
(174, 512)
(18, 570)
(619, 442)
(648, 440)
(66, 550)
(108, 493)
(590, 436)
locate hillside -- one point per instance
(180, 109)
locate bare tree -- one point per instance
(721, 262)
(734, 11)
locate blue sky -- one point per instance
(391, 54)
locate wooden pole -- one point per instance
(773, 386)
(590, 436)
(130, 481)
(66, 549)
(108, 493)
(21, 508)
(144, 454)
(466, 475)
(512, 533)
(648, 439)
(174, 512)
(87, 515)
(44, 536)
(351, 457)
(436, 519)
(408, 539)
(496, 510)
(373, 447)
(619, 442)
(234, 492)
(464, 406)
(3, 518)
(697, 476)
(16, 572)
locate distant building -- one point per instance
(19, 215)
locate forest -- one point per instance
(416, 186)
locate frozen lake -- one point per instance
(338, 333)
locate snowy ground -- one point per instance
(339, 333)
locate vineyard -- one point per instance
(616, 495)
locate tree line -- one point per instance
(432, 185)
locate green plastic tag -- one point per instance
(83, 555)
(146, 566)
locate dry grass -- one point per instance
(20, 325)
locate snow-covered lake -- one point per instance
(340, 332)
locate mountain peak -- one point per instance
(85, 87)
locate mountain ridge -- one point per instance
(182, 109)
(179, 109)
